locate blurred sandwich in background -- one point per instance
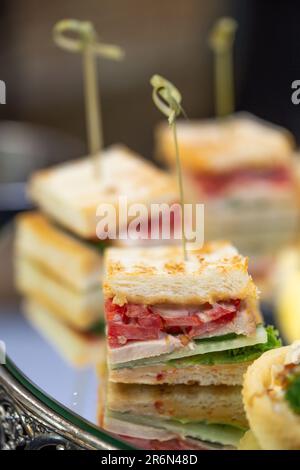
(59, 271)
(58, 250)
(71, 193)
(241, 168)
(79, 349)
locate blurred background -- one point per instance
(43, 121)
(44, 83)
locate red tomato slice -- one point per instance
(136, 310)
(190, 320)
(213, 184)
(151, 321)
(132, 332)
(133, 322)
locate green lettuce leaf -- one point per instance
(99, 245)
(97, 329)
(245, 354)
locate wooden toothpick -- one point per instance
(221, 41)
(87, 44)
(168, 100)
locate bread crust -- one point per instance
(159, 275)
(71, 194)
(81, 310)
(62, 255)
(76, 348)
(273, 423)
(219, 374)
(239, 142)
(215, 404)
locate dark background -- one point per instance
(44, 83)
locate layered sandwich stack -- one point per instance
(180, 336)
(240, 167)
(58, 255)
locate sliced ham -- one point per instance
(141, 349)
(136, 430)
(242, 324)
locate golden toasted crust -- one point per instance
(159, 275)
(221, 374)
(73, 262)
(71, 193)
(217, 404)
(273, 423)
(81, 310)
(241, 141)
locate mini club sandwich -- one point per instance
(70, 193)
(173, 416)
(272, 398)
(176, 322)
(229, 157)
(59, 271)
(241, 168)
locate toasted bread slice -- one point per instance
(71, 193)
(160, 275)
(217, 404)
(216, 146)
(78, 349)
(218, 374)
(81, 310)
(74, 262)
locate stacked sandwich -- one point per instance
(180, 336)
(241, 168)
(58, 255)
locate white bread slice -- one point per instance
(74, 262)
(70, 193)
(237, 142)
(81, 310)
(216, 404)
(219, 374)
(77, 349)
(160, 275)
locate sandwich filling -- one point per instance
(220, 333)
(136, 322)
(145, 427)
(160, 308)
(214, 184)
